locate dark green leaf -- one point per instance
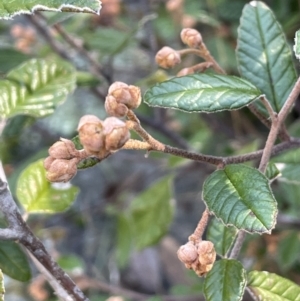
(36, 194)
(86, 79)
(272, 171)
(36, 88)
(263, 54)
(268, 286)
(221, 236)
(16, 7)
(151, 213)
(2, 289)
(11, 58)
(202, 93)
(226, 281)
(124, 240)
(13, 261)
(297, 44)
(288, 250)
(241, 196)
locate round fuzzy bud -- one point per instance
(63, 149)
(116, 133)
(191, 37)
(187, 253)
(167, 57)
(113, 108)
(60, 170)
(91, 135)
(48, 161)
(125, 94)
(207, 253)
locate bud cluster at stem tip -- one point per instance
(167, 57)
(99, 137)
(191, 37)
(121, 98)
(61, 165)
(199, 257)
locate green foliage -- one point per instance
(272, 171)
(13, 261)
(202, 93)
(2, 289)
(268, 286)
(11, 58)
(222, 236)
(263, 54)
(226, 281)
(241, 196)
(36, 87)
(15, 7)
(36, 194)
(297, 44)
(147, 219)
(288, 250)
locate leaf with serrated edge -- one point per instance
(2, 289)
(297, 44)
(268, 286)
(240, 195)
(36, 194)
(221, 236)
(226, 281)
(263, 55)
(36, 87)
(17, 7)
(202, 93)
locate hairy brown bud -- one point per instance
(167, 57)
(63, 149)
(91, 135)
(116, 133)
(113, 108)
(60, 170)
(187, 253)
(191, 37)
(207, 253)
(120, 97)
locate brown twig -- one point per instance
(19, 230)
(198, 233)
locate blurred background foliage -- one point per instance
(109, 235)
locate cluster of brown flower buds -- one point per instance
(168, 57)
(61, 165)
(99, 138)
(199, 256)
(121, 98)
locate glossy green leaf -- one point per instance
(288, 250)
(36, 194)
(297, 44)
(226, 281)
(240, 195)
(202, 93)
(272, 172)
(17, 7)
(222, 236)
(268, 286)
(36, 88)
(2, 289)
(151, 213)
(13, 261)
(264, 57)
